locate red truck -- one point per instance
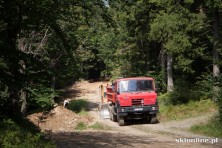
(132, 98)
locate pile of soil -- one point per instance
(59, 119)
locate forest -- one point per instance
(48, 44)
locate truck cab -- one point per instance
(133, 98)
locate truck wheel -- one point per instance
(153, 119)
(113, 117)
(121, 122)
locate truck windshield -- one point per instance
(135, 85)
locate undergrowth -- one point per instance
(78, 106)
(98, 126)
(81, 126)
(13, 135)
(182, 111)
(212, 128)
(85, 126)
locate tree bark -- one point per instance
(23, 93)
(24, 102)
(170, 83)
(163, 65)
(53, 82)
(216, 49)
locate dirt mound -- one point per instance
(59, 119)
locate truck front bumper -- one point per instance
(138, 110)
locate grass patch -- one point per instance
(14, 135)
(182, 111)
(212, 128)
(83, 112)
(78, 106)
(81, 126)
(97, 126)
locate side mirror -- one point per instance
(113, 88)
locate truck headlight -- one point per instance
(121, 110)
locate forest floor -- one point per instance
(59, 125)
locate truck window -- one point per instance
(135, 85)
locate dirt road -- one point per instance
(135, 134)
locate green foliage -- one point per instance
(43, 42)
(81, 126)
(205, 89)
(220, 108)
(83, 112)
(159, 82)
(41, 98)
(4, 95)
(78, 106)
(210, 128)
(183, 93)
(182, 111)
(204, 85)
(12, 135)
(97, 126)
(219, 101)
(65, 40)
(172, 27)
(164, 99)
(126, 50)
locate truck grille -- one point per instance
(137, 102)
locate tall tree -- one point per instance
(216, 52)
(174, 26)
(38, 43)
(135, 48)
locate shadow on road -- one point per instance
(99, 139)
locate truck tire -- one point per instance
(121, 122)
(113, 117)
(153, 119)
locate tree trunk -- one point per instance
(10, 53)
(148, 60)
(14, 108)
(163, 66)
(24, 102)
(53, 82)
(22, 91)
(170, 84)
(216, 69)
